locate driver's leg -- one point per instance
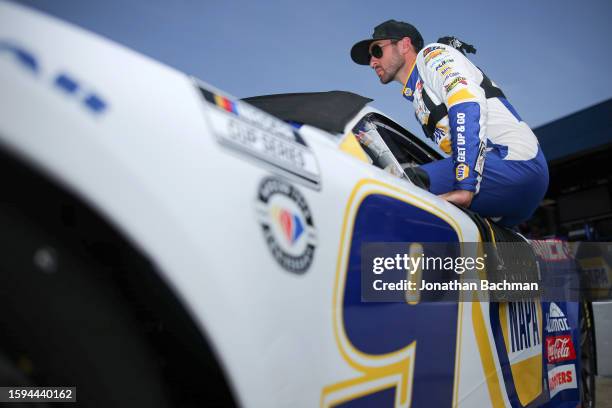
(511, 189)
(441, 175)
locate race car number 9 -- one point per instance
(404, 352)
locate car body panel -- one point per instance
(192, 181)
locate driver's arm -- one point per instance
(455, 81)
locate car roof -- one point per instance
(330, 111)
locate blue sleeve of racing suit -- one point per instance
(450, 78)
(464, 126)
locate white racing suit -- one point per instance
(493, 153)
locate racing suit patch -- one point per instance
(456, 81)
(434, 54)
(462, 171)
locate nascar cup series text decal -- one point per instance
(252, 132)
(287, 224)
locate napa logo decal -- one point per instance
(287, 224)
(556, 320)
(462, 171)
(524, 329)
(521, 330)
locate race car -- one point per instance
(167, 244)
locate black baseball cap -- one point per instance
(390, 29)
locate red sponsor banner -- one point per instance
(551, 250)
(560, 348)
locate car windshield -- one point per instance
(389, 146)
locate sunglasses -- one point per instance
(377, 50)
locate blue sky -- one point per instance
(551, 58)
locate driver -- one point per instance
(469, 118)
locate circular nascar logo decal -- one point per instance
(287, 224)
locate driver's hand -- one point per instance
(459, 197)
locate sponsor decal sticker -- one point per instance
(460, 138)
(427, 50)
(562, 378)
(482, 154)
(287, 224)
(444, 65)
(560, 348)
(524, 327)
(521, 326)
(596, 272)
(452, 75)
(552, 250)
(256, 134)
(456, 81)
(434, 54)
(556, 320)
(439, 58)
(462, 171)
(446, 72)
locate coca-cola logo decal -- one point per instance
(560, 348)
